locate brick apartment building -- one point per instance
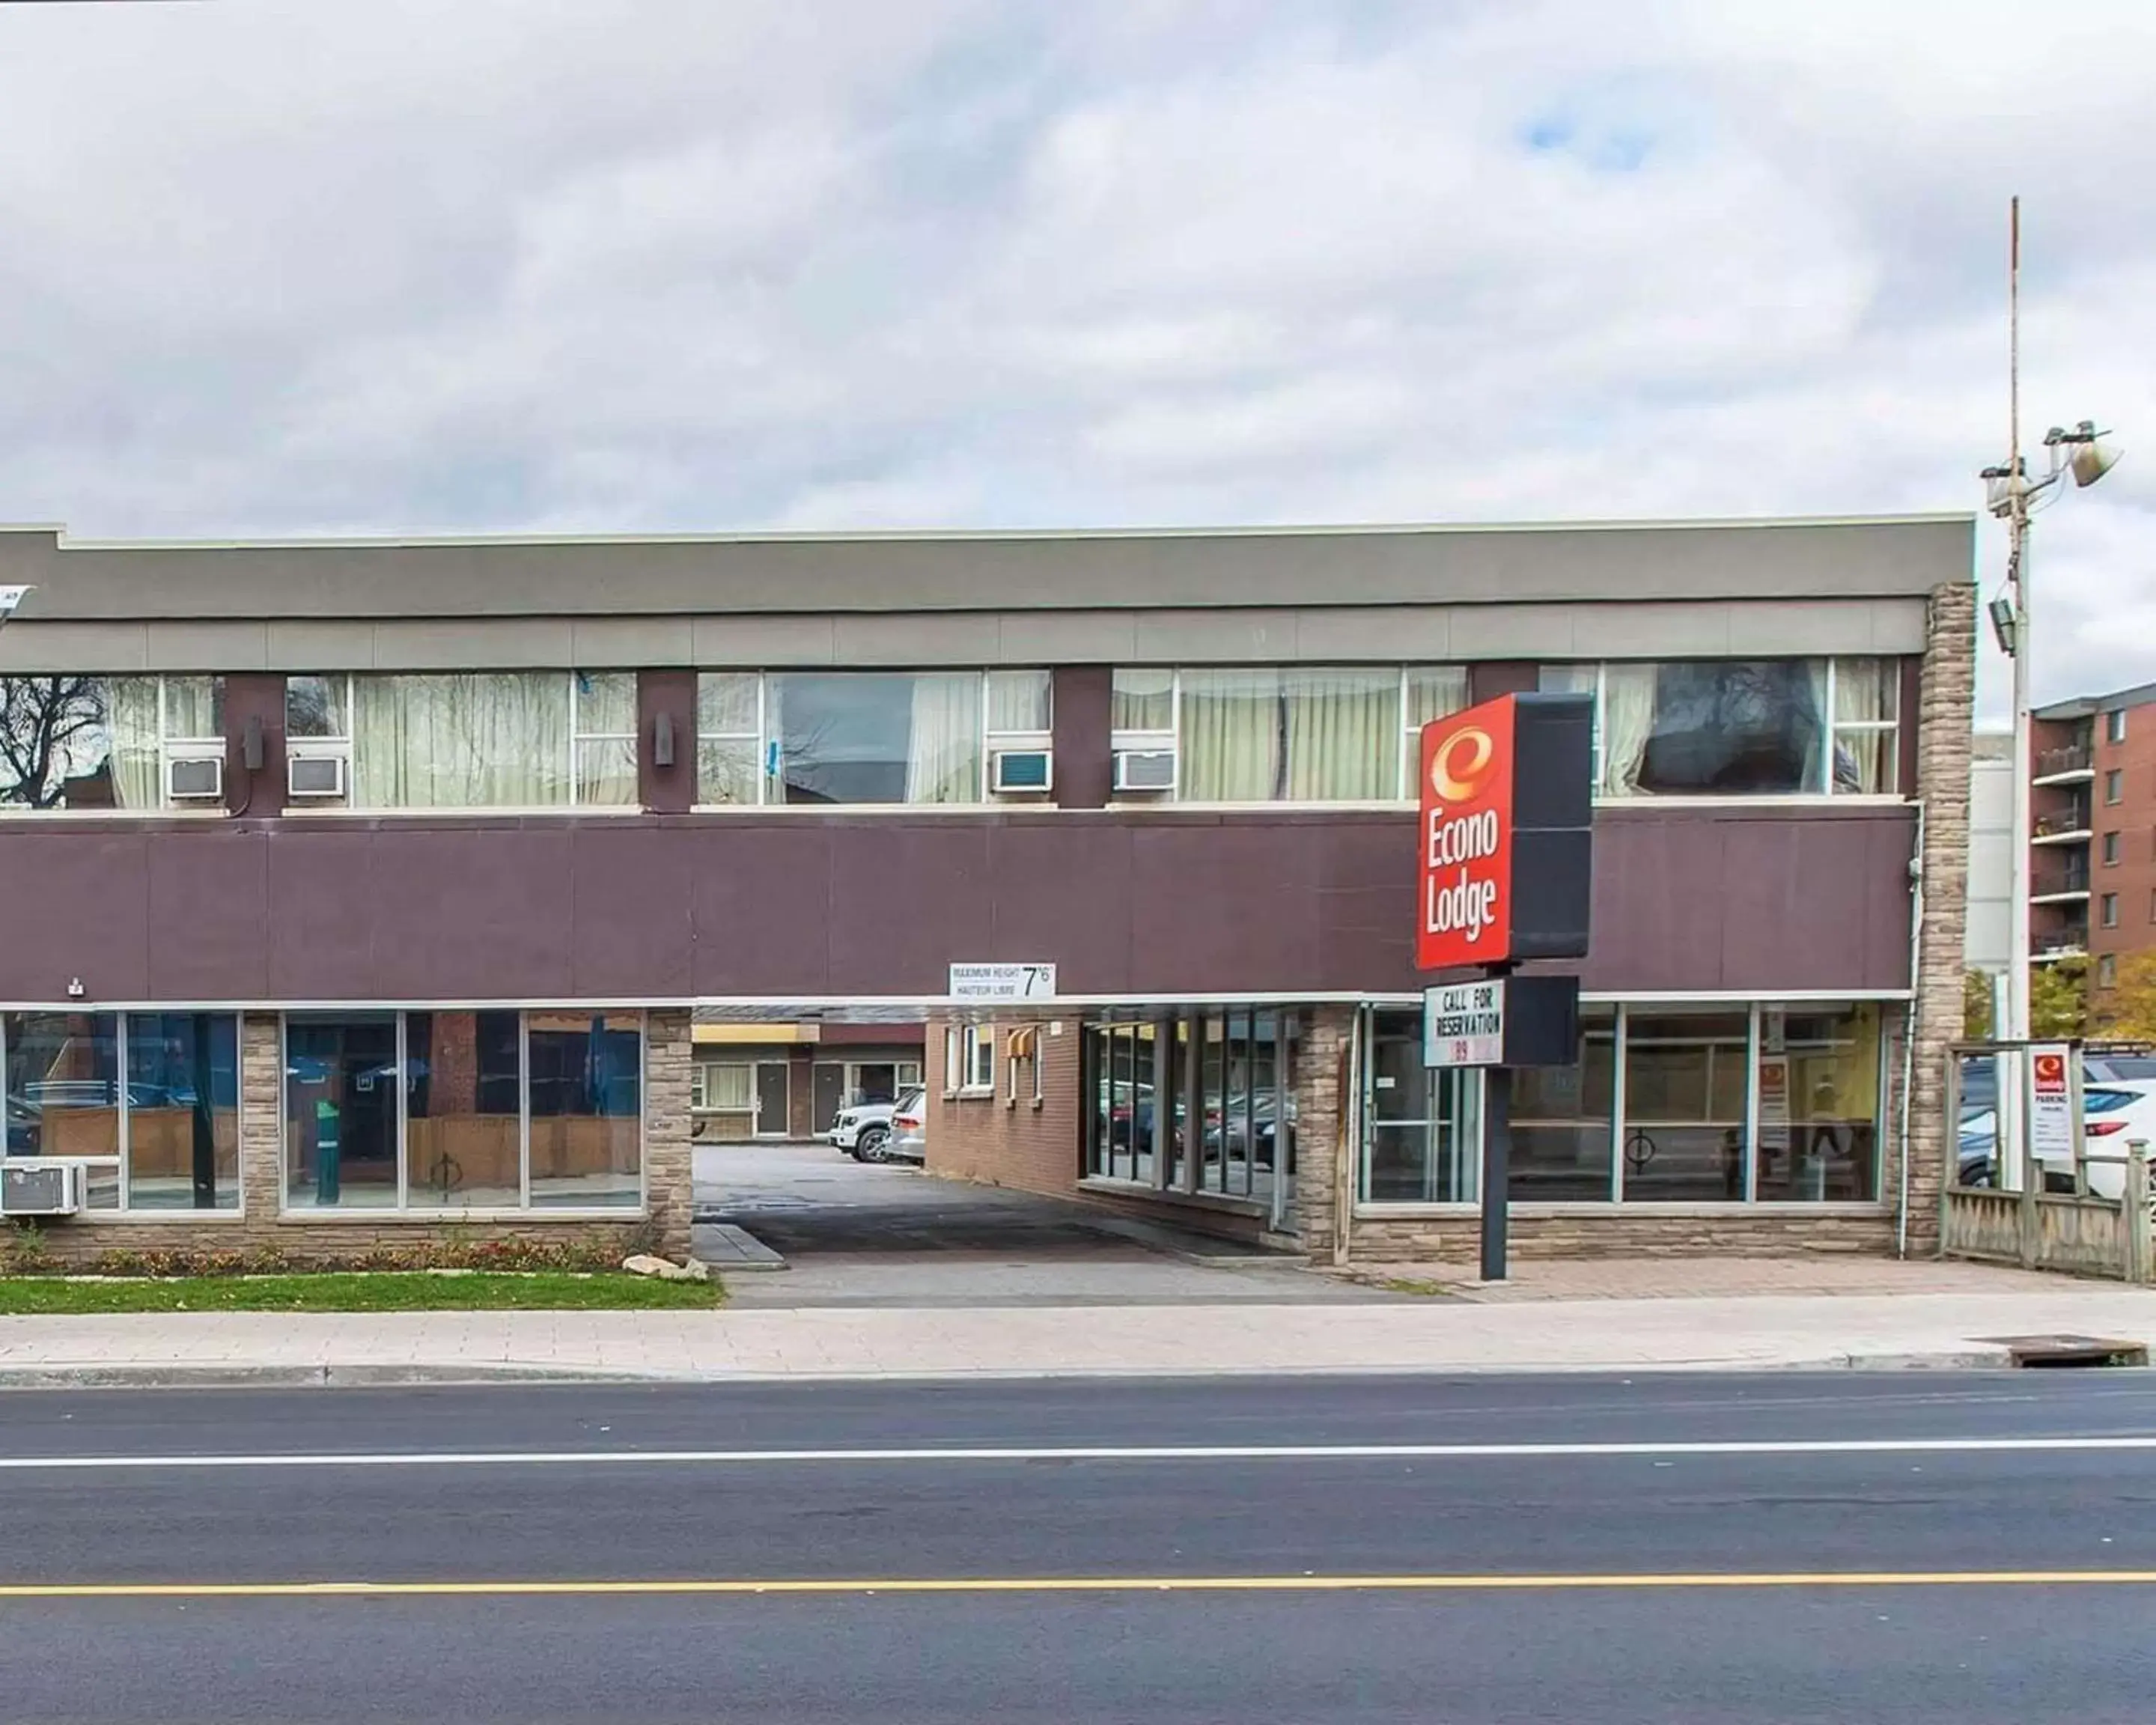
(2092, 846)
(356, 889)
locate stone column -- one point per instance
(261, 1123)
(1945, 712)
(667, 1171)
(1324, 1159)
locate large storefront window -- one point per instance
(149, 1101)
(1227, 1126)
(463, 1110)
(1771, 1103)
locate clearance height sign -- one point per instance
(1466, 869)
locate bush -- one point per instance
(23, 1252)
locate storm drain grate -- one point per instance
(2070, 1352)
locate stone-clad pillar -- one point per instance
(1324, 1161)
(667, 1171)
(1945, 712)
(261, 1122)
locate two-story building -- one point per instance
(355, 888)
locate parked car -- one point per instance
(909, 1129)
(863, 1130)
(2113, 1114)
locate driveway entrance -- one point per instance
(856, 1234)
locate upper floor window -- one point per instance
(1288, 734)
(76, 743)
(839, 737)
(1719, 727)
(2114, 725)
(467, 740)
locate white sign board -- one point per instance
(11, 596)
(1463, 1025)
(1003, 982)
(2050, 1101)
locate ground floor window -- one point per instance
(1767, 1102)
(1228, 1125)
(463, 1110)
(150, 1100)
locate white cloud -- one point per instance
(660, 264)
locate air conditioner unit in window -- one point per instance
(1019, 770)
(194, 779)
(313, 776)
(1145, 769)
(40, 1188)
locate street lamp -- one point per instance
(2010, 494)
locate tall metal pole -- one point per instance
(2012, 1114)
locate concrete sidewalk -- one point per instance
(1934, 1328)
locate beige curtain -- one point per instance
(943, 747)
(1343, 735)
(1231, 742)
(131, 712)
(1865, 696)
(489, 740)
(1142, 700)
(1018, 700)
(1627, 722)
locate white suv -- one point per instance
(863, 1130)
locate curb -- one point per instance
(333, 1376)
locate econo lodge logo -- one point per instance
(1467, 811)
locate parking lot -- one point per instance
(869, 1236)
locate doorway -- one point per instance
(772, 1099)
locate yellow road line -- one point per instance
(1078, 1584)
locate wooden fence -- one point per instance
(2077, 1232)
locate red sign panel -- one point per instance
(1464, 888)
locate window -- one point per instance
(722, 1086)
(463, 1110)
(2114, 725)
(849, 737)
(2110, 849)
(2113, 791)
(2152, 906)
(2109, 903)
(1819, 1103)
(102, 742)
(153, 1099)
(1424, 1133)
(1741, 727)
(471, 740)
(1768, 1103)
(978, 1071)
(1228, 1127)
(954, 1061)
(2107, 973)
(1286, 734)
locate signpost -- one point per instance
(1003, 982)
(1504, 864)
(2051, 1109)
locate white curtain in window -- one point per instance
(497, 740)
(1343, 730)
(192, 708)
(131, 708)
(1821, 755)
(1628, 721)
(1232, 744)
(1018, 700)
(1142, 700)
(943, 747)
(1864, 692)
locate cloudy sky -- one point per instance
(282, 267)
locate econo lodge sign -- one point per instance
(1464, 885)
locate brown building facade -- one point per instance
(360, 888)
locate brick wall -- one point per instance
(998, 1143)
(260, 1224)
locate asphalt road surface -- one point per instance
(1971, 1548)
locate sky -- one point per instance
(282, 268)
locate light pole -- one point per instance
(2010, 494)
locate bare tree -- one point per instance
(42, 719)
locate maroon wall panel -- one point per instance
(254, 695)
(1085, 768)
(790, 904)
(666, 790)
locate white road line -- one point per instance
(1163, 1452)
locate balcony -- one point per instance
(2059, 882)
(2052, 945)
(2064, 765)
(2062, 826)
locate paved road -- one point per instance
(1500, 1489)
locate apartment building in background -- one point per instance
(356, 889)
(2093, 844)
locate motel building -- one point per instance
(358, 889)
